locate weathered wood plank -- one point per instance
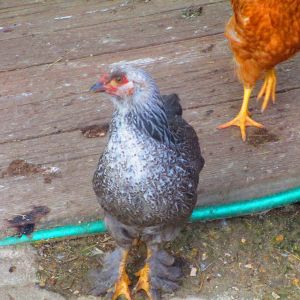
(108, 37)
(39, 17)
(4, 5)
(47, 101)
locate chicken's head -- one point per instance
(127, 84)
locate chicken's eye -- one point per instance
(118, 79)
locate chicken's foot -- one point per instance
(268, 89)
(112, 277)
(243, 119)
(159, 273)
(122, 285)
(144, 277)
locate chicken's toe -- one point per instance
(158, 274)
(112, 275)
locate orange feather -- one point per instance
(262, 33)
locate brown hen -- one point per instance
(262, 33)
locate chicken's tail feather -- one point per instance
(172, 105)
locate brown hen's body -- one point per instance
(261, 34)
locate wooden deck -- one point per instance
(53, 51)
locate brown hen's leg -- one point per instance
(122, 285)
(242, 119)
(268, 89)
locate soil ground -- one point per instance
(251, 257)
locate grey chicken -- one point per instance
(146, 180)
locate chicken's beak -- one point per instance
(98, 87)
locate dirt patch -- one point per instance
(25, 222)
(63, 265)
(192, 11)
(252, 257)
(20, 167)
(8, 28)
(208, 49)
(209, 112)
(261, 136)
(95, 131)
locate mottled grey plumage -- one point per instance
(147, 177)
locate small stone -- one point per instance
(249, 266)
(12, 269)
(203, 266)
(243, 241)
(96, 251)
(275, 296)
(193, 272)
(204, 256)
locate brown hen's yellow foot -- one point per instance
(243, 120)
(268, 89)
(122, 285)
(144, 278)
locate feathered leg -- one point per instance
(122, 285)
(243, 119)
(112, 275)
(158, 273)
(268, 89)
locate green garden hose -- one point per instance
(200, 213)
